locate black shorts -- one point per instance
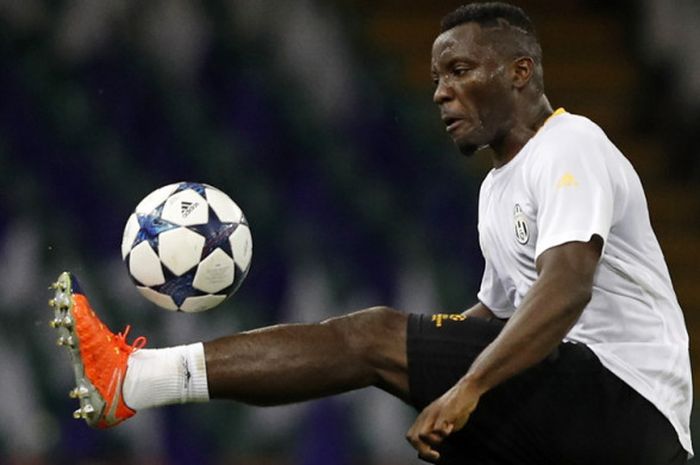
(568, 409)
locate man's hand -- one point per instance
(444, 416)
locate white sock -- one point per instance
(174, 375)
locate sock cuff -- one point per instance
(172, 375)
(195, 374)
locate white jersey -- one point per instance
(568, 183)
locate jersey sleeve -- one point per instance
(572, 188)
(493, 294)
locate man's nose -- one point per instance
(443, 91)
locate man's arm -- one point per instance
(480, 311)
(548, 311)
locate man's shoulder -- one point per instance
(569, 135)
(571, 126)
(568, 140)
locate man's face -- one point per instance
(472, 87)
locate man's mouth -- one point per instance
(452, 123)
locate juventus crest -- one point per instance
(522, 233)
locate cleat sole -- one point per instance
(91, 401)
(65, 341)
(84, 412)
(79, 392)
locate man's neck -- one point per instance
(528, 122)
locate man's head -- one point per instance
(487, 67)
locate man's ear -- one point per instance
(522, 70)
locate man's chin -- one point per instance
(468, 149)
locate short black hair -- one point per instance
(507, 18)
(489, 14)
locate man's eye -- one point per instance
(460, 71)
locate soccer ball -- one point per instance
(187, 247)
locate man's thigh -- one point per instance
(568, 409)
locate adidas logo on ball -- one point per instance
(187, 207)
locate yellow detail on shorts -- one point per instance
(568, 180)
(438, 318)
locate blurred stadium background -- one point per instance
(316, 117)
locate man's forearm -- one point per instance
(546, 314)
(544, 318)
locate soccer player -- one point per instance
(576, 352)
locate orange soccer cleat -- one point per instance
(99, 356)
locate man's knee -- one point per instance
(371, 331)
(376, 338)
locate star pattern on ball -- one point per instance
(151, 226)
(178, 287)
(195, 186)
(216, 234)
